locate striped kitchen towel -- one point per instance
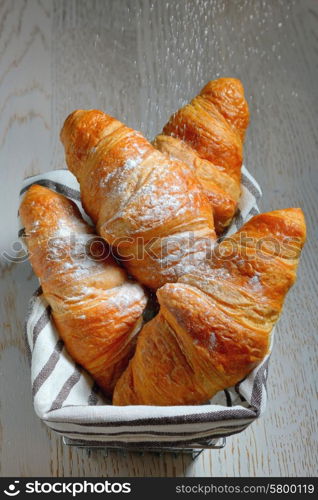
(67, 400)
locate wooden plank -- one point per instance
(140, 61)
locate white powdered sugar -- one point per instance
(126, 295)
(182, 253)
(146, 196)
(120, 173)
(255, 283)
(71, 251)
(34, 226)
(63, 231)
(148, 201)
(132, 162)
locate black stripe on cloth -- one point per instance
(66, 388)
(47, 368)
(195, 434)
(38, 292)
(41, 323)
(231, 413)
(253, 211)
(259, 384)
(66, 426)
(237, 390)
(253, 189)
(93, 397)
(55, 186)
(27, 345)
(156, 444)
(64, 169)
(228, 398)
(33, 299)
(238, 219)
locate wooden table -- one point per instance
(141, 60)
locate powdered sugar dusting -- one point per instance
(146, 196)
(126, 295)
(255, 283)
(121, 172)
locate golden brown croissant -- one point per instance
(208, 135)
(97, 310)
(214, 325)
(149, 208)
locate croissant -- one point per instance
(214, 325)
(208, 135)
(96, 308)
(149, 208)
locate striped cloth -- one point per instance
(67, 400)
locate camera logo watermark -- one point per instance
(11, 490)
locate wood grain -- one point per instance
(140, 60)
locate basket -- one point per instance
(68, 401)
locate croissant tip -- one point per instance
(292, 217)
(226, 81)
(67, 120)
(295, 213)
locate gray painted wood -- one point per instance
(141, 60)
